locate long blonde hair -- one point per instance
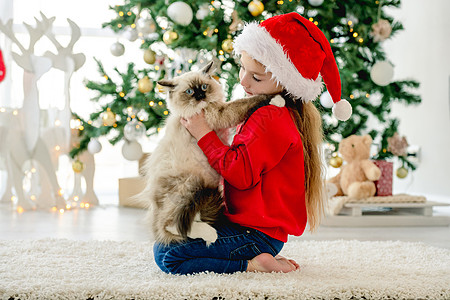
(308, 121)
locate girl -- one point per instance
(272, 170)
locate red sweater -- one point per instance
(263, 173)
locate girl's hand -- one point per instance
(196, 125)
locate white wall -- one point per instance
(422, 52)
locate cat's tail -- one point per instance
(206, 203)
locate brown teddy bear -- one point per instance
(356, 178)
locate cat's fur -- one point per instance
(182, 189)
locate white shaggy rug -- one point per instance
(64, 269)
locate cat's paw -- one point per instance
(278, 101)
(203, 231)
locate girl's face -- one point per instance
(254, 78)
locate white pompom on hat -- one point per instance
(298, 55)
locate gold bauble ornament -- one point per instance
(145, 85)
(227, 45)
(401, 172)
(336, 161)
(169, 36)
(149, 56)
(256, 7)
(108, 118)
(77, 166)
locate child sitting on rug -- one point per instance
(272, 170)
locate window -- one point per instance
(94, 42)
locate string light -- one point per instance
(160, 103)
(61, 211)
(20, 209)
(352, 96)
(15, 112)
(367, 95)
(166, 112)
(129, 13)
(122, 94)
(57, 148)
(2, 109)
(133, 25)
(121, 13)
(151, 103)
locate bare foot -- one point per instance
(267, 263)
(296, 265)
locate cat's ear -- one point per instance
(208, 69)
(167, 83)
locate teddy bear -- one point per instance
(357, 176)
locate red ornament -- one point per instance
(2, 67)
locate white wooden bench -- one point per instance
(388, 214)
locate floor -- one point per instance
(110, 222)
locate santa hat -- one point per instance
(298, 55)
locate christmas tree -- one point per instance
(177, 36)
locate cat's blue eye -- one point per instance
(204, 87)
(190, 92)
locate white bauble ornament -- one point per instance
(180, 13)
(117, 49)
(202, 12)
(145, 26)
(132, 150)
(94, 146)
(134, 130)
(315, 2)
(130, 34)
(325, 100)
(382, 73)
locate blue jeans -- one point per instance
(234, 246)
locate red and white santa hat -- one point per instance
(298, 55)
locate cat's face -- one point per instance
(192, 91)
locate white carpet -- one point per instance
(63, 269)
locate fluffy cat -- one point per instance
(182, 189)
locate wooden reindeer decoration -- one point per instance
(69, 62)
(22, 130)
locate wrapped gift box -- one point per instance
(384, 184)
(128, 188)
